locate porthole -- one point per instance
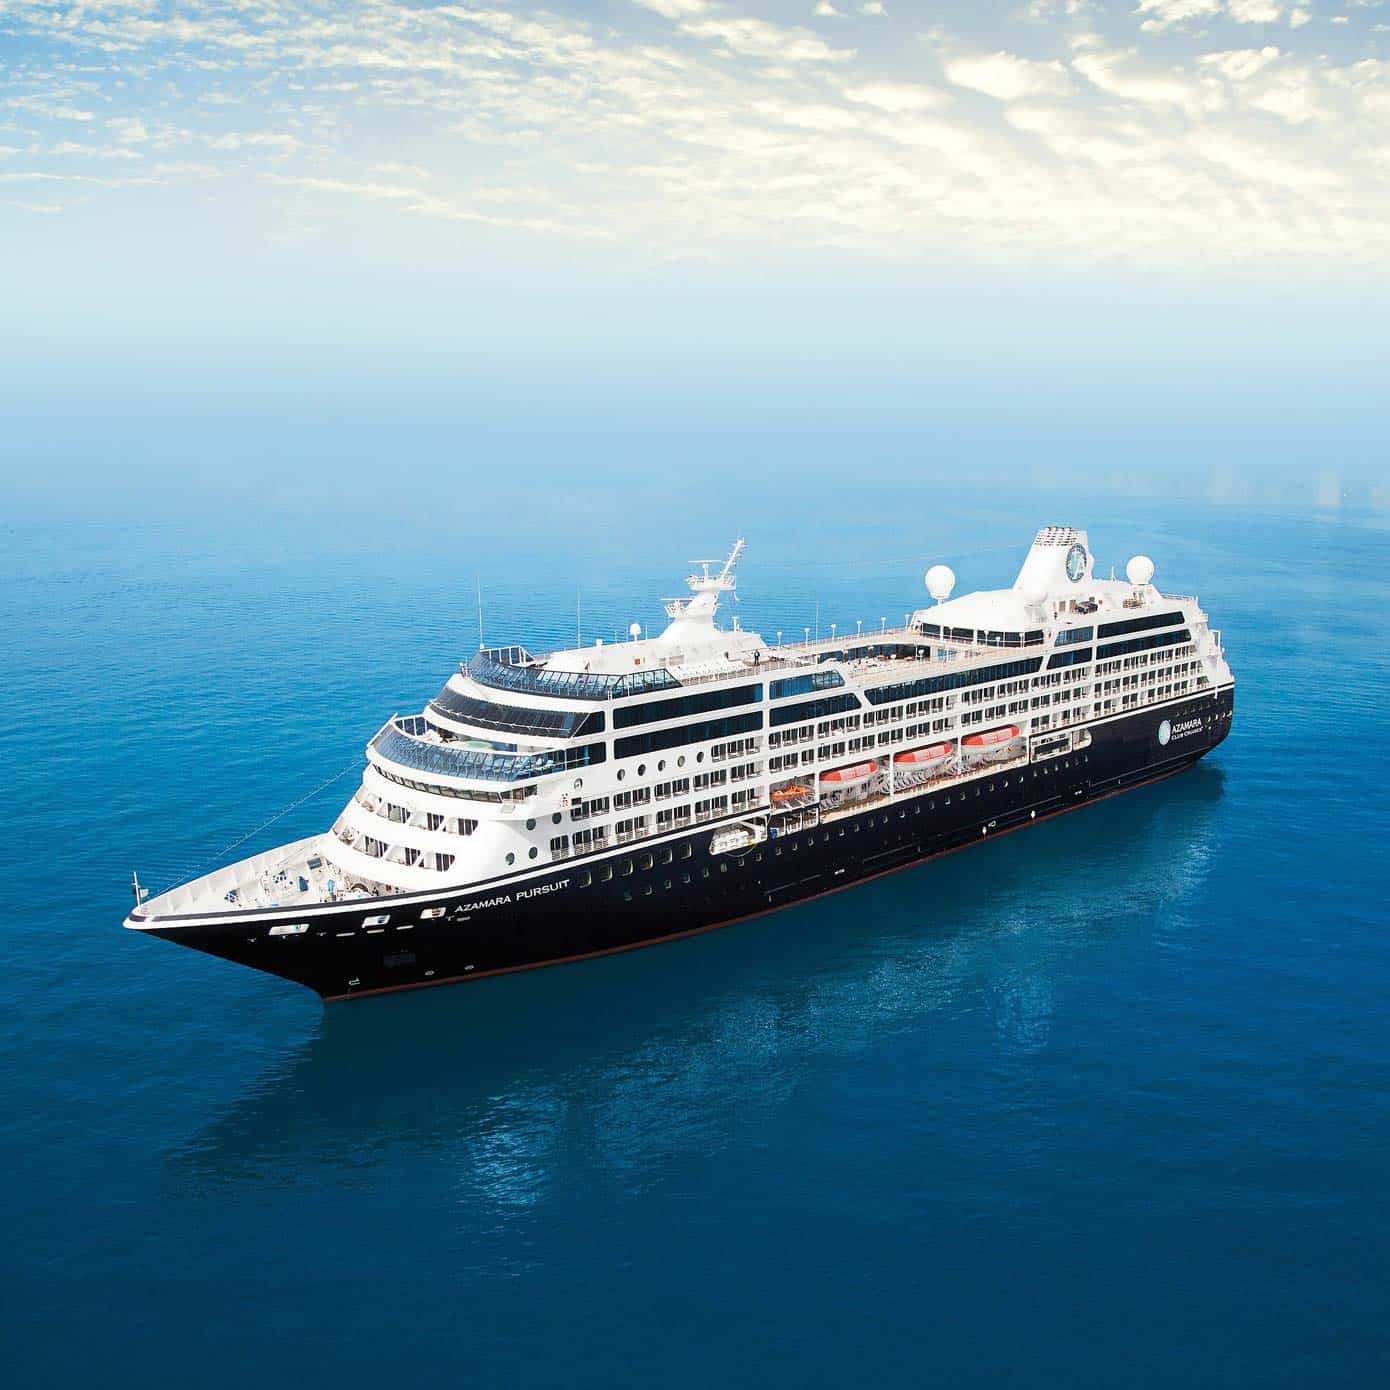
(667, 885)
(605, 873)
(622, 772)
(645, 862)
(680, 762)
(699, 757)
(704, 872)
(661, 765)
(532, 852)
(555, 818)
(646, 890)
(724, 867)
(530, 825)
(641, 769)
(511, 859)
(585, 879)
(627, 868)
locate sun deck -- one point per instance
(293, 875)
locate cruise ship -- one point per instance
(546, 808)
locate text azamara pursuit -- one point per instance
(546, 808)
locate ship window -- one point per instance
(646, 890)
(627, 895)
(723, 867)
(530, 825)
(555, 818)
(605, 873)
(641, 769)
(585, 879)
(645, 861)
(511, 859)
(667, 885)
(661, 765)
(666, 856)
(704, 872)
(685, 878)
(685, 850)
(532, 852)
(627, 868)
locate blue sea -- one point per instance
(1103, 1104)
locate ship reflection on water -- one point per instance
(621, 1066)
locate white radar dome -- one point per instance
(1140, 570)
(941, 579)
(1035, 595)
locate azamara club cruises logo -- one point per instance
(1168, 730)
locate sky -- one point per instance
(1036, 225)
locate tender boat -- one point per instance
(918, 759)
(994, 744)
(844, 778)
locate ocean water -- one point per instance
(1106, 1103)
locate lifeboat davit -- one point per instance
(839, 778)
(914, 758)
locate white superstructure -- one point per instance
(521, 761)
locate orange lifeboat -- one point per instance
(913, 758)
(992, 738)
(840, 778)
(792, 793)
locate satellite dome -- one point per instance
(941, 579)
(1035, 595)
(1140, 570)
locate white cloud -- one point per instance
(674, 9)
(1166, 13)
(872, 7)
(1046, 11)
(897, 97)
(1292, 96)
(1008, 77)
(1255, 11)
(756, 38)
(826, 10)
(129, 130)
(1240, 64)
(1298, 18)
(1123, 74)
